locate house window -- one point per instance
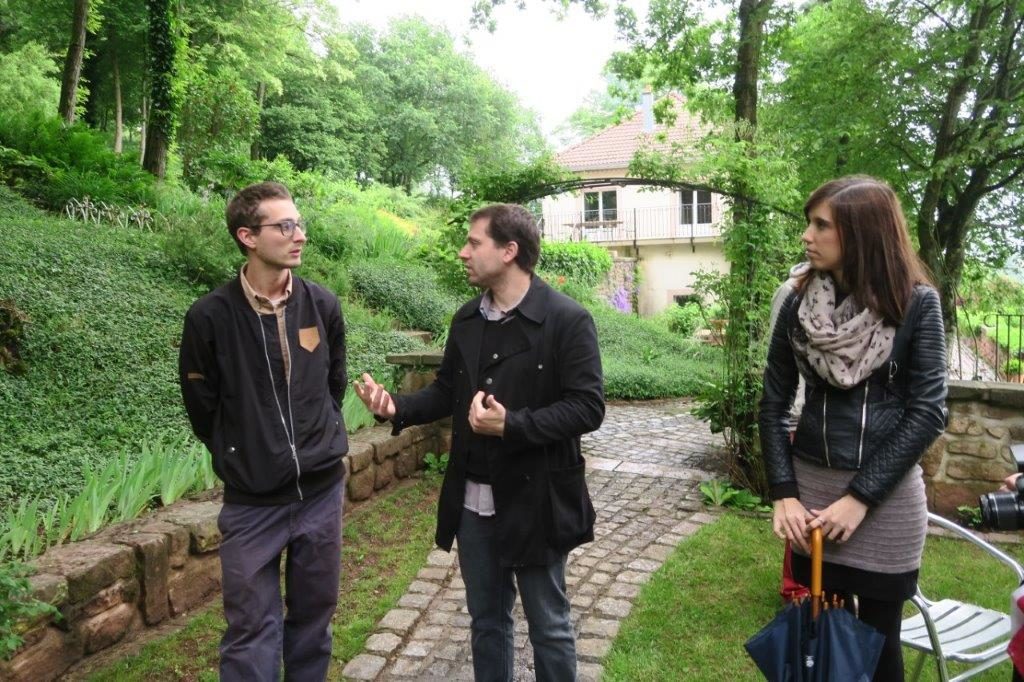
(600, 206)
(700, 199)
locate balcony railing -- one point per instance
(628, 225)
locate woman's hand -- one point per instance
(790, 520)
(839, 520)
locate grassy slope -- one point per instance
(104, 316)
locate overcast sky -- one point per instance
(550, 64)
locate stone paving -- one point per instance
(645, 464)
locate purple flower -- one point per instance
(621, 301)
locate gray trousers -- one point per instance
(259, 635)
(490, 596)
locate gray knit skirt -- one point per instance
(890, 539)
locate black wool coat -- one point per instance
(547, 373)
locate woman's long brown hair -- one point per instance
(880, 267)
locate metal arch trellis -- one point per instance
(539, 191)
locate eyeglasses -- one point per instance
(286, 226)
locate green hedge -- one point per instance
(582, 262)
(406, 290)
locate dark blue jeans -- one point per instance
(490, 596)
(258, 634)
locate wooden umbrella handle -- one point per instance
(817, 553)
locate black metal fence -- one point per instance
(990, 348)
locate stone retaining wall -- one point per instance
(137, 574)
(973, 455)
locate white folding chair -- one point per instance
(956, 631)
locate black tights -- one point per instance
(884, 616)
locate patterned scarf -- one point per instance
(841, 344)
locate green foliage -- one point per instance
(443, 115)
(367, 344)
(407, 291)
(358, 231)
(643, 360)
(723, 494)
(581, 293)
(165, 469)
(55, 163)
(218, 114)
(226, 172)
(99, 345)
(584, 263)
(28, 81)
(435, 466)
(969, 516)
(17, 606)
(683, 319)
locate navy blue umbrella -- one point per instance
(809, 642)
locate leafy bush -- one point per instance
(16, 606)
(357, 232)
(581, 262)
(29, 80)
(581, 293)
(682, 319)
(224, 172)
(77, 161)
(367, 348)
(407, 291)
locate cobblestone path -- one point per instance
(644, 467)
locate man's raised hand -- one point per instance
(375, 397)
(486, 415)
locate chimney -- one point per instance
(647, 105)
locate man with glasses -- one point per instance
(262, 370)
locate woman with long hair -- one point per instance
(864, 328)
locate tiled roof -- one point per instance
(614, 147)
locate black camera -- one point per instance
(1002, 510)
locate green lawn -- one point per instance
(721, 586)
(387, 540)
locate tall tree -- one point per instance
(441, 114)
(73, 61)
(930, 96)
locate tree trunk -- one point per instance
(741, 337)
(118, 109)
(162, 107)
(752, 14)
(254, 149)
(942, 227)
(145, 127)
(73, 62)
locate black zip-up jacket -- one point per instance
(546, 371)
(225, 368)
(881, 427)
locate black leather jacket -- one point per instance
(880, 427)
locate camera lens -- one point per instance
(1001, 511)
